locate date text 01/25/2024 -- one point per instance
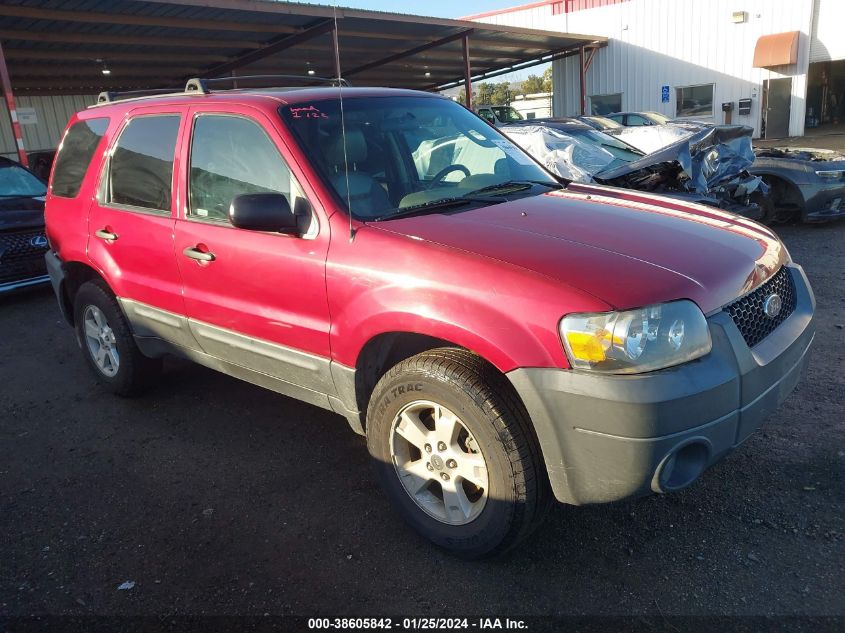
(416, 624)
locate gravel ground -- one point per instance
(216, 497)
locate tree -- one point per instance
(533, 85)
(548, 83)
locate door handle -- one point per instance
(195, 253)
(106, 235)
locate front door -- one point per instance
(255, 299)
(131, 222)
(778, 97)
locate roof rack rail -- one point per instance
(199, 85)
(110, 96)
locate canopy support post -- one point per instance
(13, 113)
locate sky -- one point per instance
(436, 8)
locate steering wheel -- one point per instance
(440, 175)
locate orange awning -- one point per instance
(778, 49)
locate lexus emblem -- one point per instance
(772, 305)
(39, 241)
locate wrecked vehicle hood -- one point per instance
(701, 162)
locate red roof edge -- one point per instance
(521, 7)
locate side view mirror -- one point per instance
(264, 212)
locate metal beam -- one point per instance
(504, 70)
(271, 48)
(30, 54)
(467, 73)
(95, 17)
(95, 70)
(138, 40)
(409, 53)
(13, 113)
(582, 75)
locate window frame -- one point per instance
(104, 190)
(608, 94)
(712, 113)
(313, 229)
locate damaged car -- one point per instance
(806, 184)
(710, 167)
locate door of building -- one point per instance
(777, 96)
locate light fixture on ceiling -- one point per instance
(105, 69)
(427, 74)
(310, 71)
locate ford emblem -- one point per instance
(772, 305)
(39, 241)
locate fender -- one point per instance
(506, 314)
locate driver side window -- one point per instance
(230, 156)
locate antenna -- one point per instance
(342, 125)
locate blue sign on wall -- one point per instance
(664, 96)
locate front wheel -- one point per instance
(453, 448)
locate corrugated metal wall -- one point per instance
(52, 113)
(828, 43)
(656, 43)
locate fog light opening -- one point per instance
(682, 467)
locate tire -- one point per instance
(123, 370)
(453, 395)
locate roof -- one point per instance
(284, 96)
(62, 46)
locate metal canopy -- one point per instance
(63, 46)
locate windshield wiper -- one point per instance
(425, 207)
(513, 185)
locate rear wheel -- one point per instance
(453, 448)
(107, 343)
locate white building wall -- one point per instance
(827, 42)
(654, 43)
(52, 114)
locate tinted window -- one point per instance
(75, 154)
(141, 168)
(636, 119)
(605, 104)
(232, 156)
(694, 100)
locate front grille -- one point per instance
(748, 314)
(19, 259)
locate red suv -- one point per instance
(386, 254)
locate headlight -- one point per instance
(636, 341)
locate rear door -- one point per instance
(254, 299)
(131, 222)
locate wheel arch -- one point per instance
(76, 274)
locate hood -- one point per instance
(18, 214)
(626, 248)
(707, 158)
(799, 153)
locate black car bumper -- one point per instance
(608, 437)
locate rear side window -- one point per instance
(75, 155)
(141, 166)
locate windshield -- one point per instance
(17, 182)
(506, 114)
(604, 122)
(405, 153)
(658, 118)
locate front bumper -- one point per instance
(824, 202)
(608, 437)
